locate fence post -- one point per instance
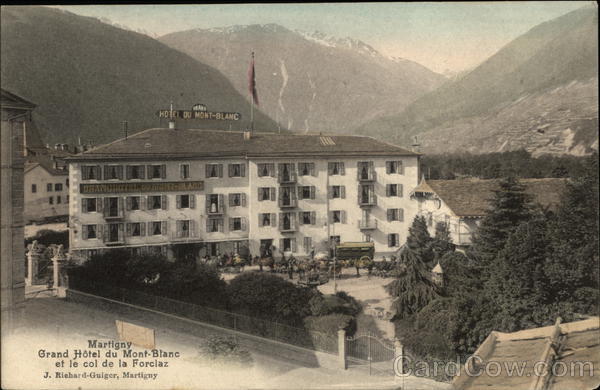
(342, 348)
(398, 356)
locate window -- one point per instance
(89, 231)
(366, 194)
(183, 229)
(89, 205)
(67, 182)
(135, 172)
(395, 215)
(58, 187)
(306, 192)
(237, 199)
(157, 228)
(287, 173)
(214, 225)
(186, 201)
(184, 170)
(393, 190)
(237, 170)
(287, 197)
(236, 224)
(336, 168)
(214, 170)
(287, 221)
(266, 219)
(266, 193)
(51, 200)
(90, 172)
(394, 167)
(133, 203)
(154, 202)
(307, 217)
(338, 216)
(34, 188)
(306, 169)
(214, 203)
(157, 171)
(49, 187)
(113, 207)
(287, 244)
(265, 169)
(113, 172)
(366, 170)
(135, 229)
(58, 199)
(337, 192)
(393, 240)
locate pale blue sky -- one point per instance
(441, 36)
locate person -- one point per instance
(312, 253)
(290, 266)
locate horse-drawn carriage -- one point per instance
(356, 254)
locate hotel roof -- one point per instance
(163, 143)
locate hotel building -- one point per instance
(210, 192)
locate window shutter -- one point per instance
(273, 219)
(105, 206)
(388, 167)
(220, 224)
(149, 171)
(312, 192)
(127, 172)
(273, 195)
(388, 189)
(207, 170)
(313, 217)
(329, 168)
(311, 168)
(299, 190)
(143, 173)
(280, 221)
(120, 172)
(84, 206)
(99, 231)
(105, 233)
(128, 203)
(192, 201)
(128, 230)
(208, 225)
(243, 170)
(84, 232)
(192, 228)
(389, 215)
(164, 226)
(390, 240)
(342, 169)
(142, 203)
(163, 171)
(260, 194)
(330, 192)
(106, 171)
(243, 223)
(400, 190)
(99, 170)
(142, 228)
(343, 192)
(343, 216)
(230, 169)
(121, 206)
(330, 216)
(163, 202)
(400, 167)
(243, 199)
(230, 224)
(260, 220)
(220, 168)
(293, 245)
(221, 203)
(178, 201)
(181, 175)
(401, 215)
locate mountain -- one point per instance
(309, 81)
(87, 76)
(539, 93)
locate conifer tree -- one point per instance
(419, 240)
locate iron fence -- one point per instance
(225, 319)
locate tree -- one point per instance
(442, 242)
(508, 208)
(419, 241)
(414, 289)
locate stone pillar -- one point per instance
(399, 357)
(58, 260)
(342, 348)
(33, 259)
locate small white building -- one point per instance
(46, 189)
(217, 191)
(462, 203)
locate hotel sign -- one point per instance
(199, 114)
(141, 187)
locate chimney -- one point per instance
(247, 135)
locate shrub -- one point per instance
(340, 303)
(269, 297)
(225, 350)
(331, 323)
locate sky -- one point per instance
(445, 37)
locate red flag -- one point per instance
(252, 81)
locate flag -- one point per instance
(252, 81)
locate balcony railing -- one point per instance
(368, 175)
(289, 177)
(290, 227)
(367, 201)
(367, 224)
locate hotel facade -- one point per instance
(209, 192)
